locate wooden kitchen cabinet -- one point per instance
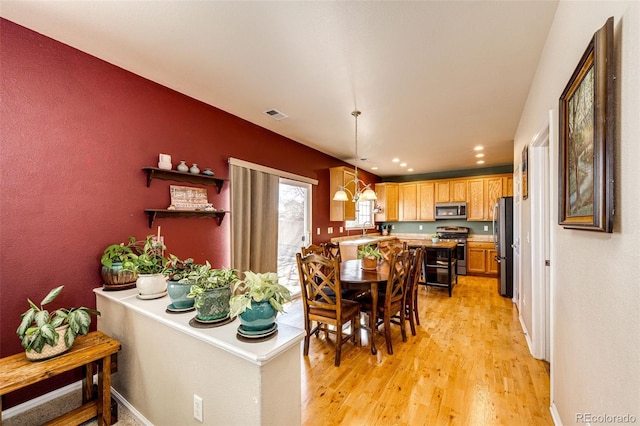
(443, 191)
(481, 258)
(340, 211)
(475, 199)
(408, 201)
(387, 193)
(494, 191)
(426, 201)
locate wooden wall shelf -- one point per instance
(156, 173)
(162, 213)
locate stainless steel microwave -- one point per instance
(451, 211)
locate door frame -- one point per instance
(539, 170)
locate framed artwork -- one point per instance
(188, 198)
(525, 174)
(587, 132)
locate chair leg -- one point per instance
(415, 310)
(411, 322)
(338, 343)
(387, 332)
(307, 337)
(402, 330)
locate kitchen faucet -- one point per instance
(364, 228)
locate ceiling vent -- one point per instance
(275, 114)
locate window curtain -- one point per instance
(254, 224)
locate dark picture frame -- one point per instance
(587, 132)
(525, 172)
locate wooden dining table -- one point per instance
(352, 275)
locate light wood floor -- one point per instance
(467, 365)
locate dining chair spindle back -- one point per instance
(323, 302)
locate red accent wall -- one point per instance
(75, 133)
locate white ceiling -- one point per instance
(433, 79)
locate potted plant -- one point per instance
(370, 256)
(149, 264)
(435, 238)
(211, 289)
(114, 275)
(175, 270)
(44, 334)
(257, 300)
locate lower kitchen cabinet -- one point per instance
(481, 258)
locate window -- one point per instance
(364, 216)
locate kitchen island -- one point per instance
(165, 362)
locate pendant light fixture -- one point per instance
(362, 191)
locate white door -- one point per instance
(294, 229)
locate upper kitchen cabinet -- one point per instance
(451, 191)
(408, 201)
(483, 193)
(426, 201)
(340, 211)
(388, 199)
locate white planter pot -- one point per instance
(151, 284)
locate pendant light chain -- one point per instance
(356, 113)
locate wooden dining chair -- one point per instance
(393, 298)
(323, 303)
(312, 249)
(332, 250)
(389, 247)
(413, 279)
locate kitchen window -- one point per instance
(364, 216)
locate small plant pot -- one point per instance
(435, 240)
(49, 351)
(178, 294)
(117, 278)
(260, 317)
(151, 284)
(213, 304)
(369, 262)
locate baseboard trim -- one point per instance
(555, 416)
(527, 338)
(130, 408)
(63, 391)
(42, 399)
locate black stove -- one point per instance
(458, 234)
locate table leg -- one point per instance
(87, 383)
(449, 271)
(374, 316)
(104, 392)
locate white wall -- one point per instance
(595, 365)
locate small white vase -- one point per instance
(182, 167)
(194, 169)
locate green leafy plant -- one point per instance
(119, 253)
(369, 250)
(436, 235)
(204, 278)
(258, 287)
(149, 259)
(176, 269)
(38, 325)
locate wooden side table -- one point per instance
(17, 372)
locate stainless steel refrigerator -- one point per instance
(503, 240)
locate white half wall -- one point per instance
(595, 285)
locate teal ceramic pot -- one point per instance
(178, 294)
(261, 316)
(213, 304)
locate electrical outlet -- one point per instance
(486, 227)
(419, 227)
(341, 230)
(318, 231)
(197, 408)
(393, 227)
(330, 230)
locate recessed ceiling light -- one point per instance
(395, 160)
(478, 148)
(479, 155)
(480, 162)
(403, 164)
(409, 170)
(374, 168)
